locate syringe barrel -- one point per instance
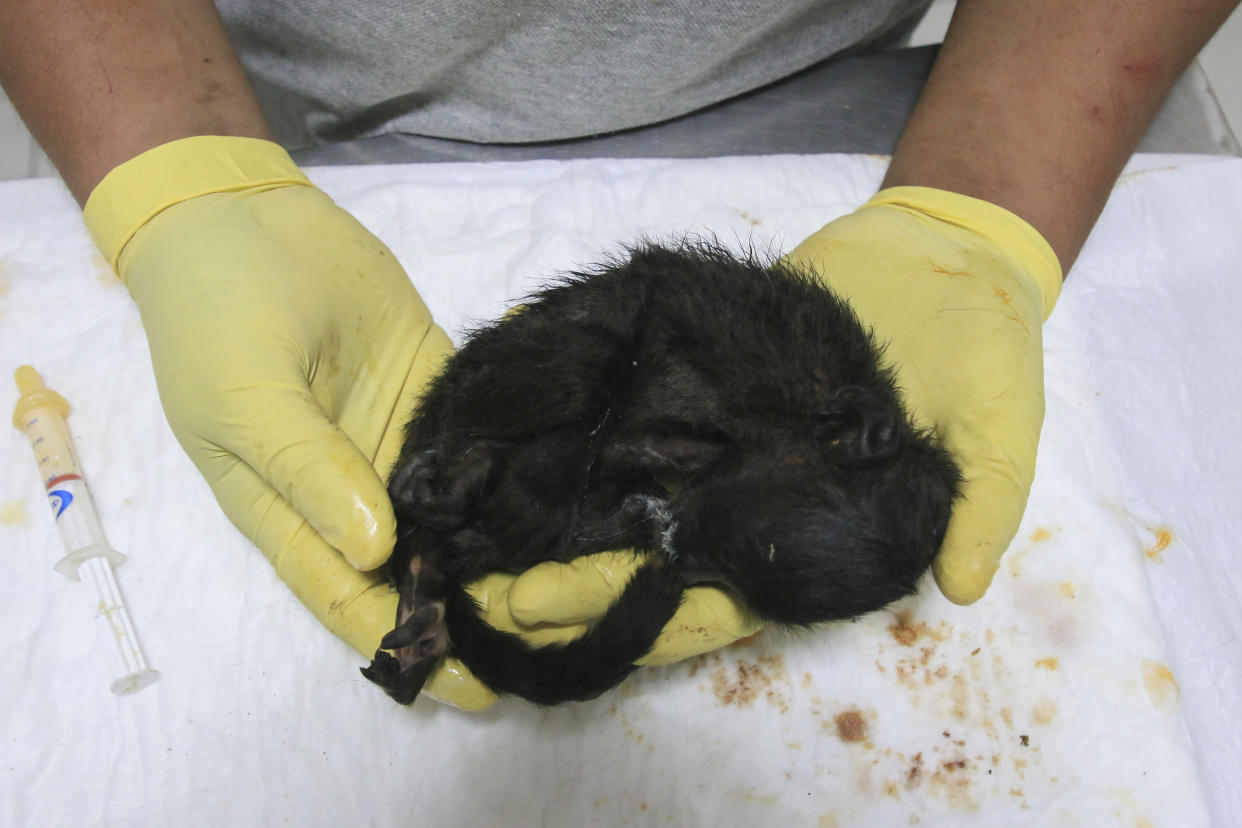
(42, 420)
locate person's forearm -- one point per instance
(1035, 106)
(100, 81)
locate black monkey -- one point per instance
(728, 419)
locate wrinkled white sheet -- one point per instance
(1096, 684)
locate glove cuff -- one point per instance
(136, 191)
(1007, 232)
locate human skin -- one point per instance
(100, 81)
(1036, 106)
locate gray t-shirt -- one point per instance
(527, 70)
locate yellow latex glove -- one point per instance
(288, 346)
(956, 289)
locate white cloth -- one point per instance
(1053, 701)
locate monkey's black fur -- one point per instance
(729, 418)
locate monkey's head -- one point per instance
(831, 522)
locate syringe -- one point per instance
(40, 414)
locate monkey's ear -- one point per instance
(858, 427)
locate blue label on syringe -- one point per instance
(60, 501)
(60, 498)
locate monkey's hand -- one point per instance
(287, 345)
(955, 290)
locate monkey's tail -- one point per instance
(580, 669)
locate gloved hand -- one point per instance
(956, 290)
(288, 346)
